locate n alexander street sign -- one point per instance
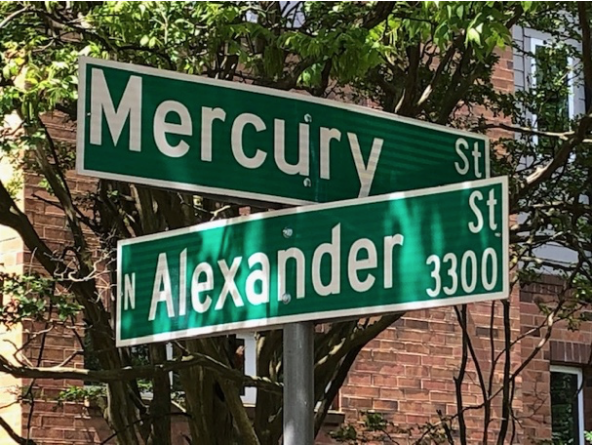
(183, 132)
(402, 251)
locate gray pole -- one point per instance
(298, 395)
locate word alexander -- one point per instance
(257, 285)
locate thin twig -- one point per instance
(13, 16)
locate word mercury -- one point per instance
(173, 134)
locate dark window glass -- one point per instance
(564, 408)
(553, 86)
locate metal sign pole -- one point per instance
(298, 395)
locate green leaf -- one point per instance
(473, 35)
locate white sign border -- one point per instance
(270, 323)
(188, 187)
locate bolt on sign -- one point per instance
(183, 132)
(389, 253)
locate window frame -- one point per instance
(524, 67)
(250, 353)
(249, 357)
(572, 370)
(532, 38)
(573, 95)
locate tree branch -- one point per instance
(357, 338)
(507, 397)
(459, 84)
(13, 16)
(458, 380)
(405, 106)
(12, 434)
(546, 172)
(528, 130)
(146, 372)
(335, 385)
(56, 179)
(161, 403)
(380, 13)
(438, 73)
(13, 217)
(463, 321)
(233, 400)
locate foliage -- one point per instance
(373, 428)
(427, 60)
(80, 394)
(36, 299)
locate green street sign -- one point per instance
(191, 133)
(359, 257)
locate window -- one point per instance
(246, 354)
(565, 94)
(540, 64)
(245, 357)
(548, 66)
(292, 11)
(567, 405)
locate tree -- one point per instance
(431, 61)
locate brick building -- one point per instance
(407, 374)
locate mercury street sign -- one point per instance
(183, 132)
(396, 252)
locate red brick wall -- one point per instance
(566, 347)
(55, 343)
(407, 373)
